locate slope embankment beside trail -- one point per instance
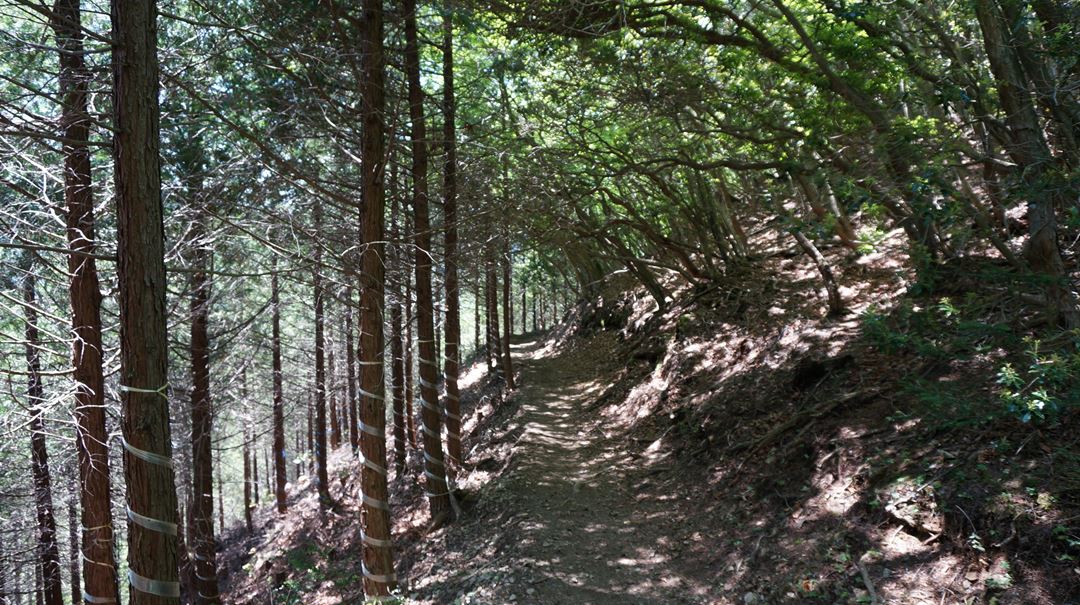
(739, 447)
(743, 448)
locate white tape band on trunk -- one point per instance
(371, 395)
(146, 456)
(370, 430)
(375, 503)
(157, 588)
(161, 527)
(93, 562)
(427, 384)
(386, 579)
(163, 390)
(371, 465)
(375, 542)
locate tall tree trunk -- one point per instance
(397, 361)
(377, 564)
(73, 544)
(450, 214)
(410, 392)
(524, 311)
(1060, 108)
(397, 389)
(1028, 148)
(543, 310)
(321, 478)
(350, 364)
(220, 504)
(91, 439)
(554, 304)
(299, 448)
(266, 469)
(494, 342)
(148, 471)
(508, 320)
(48, 553)
(184, 532)
(430, 419)
(201, 417)
(436, 313)
(247, 479)
(254, 469)
(477, 294)
(310, 435)
(332, 391)
(280, 474)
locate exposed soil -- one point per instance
(578, 529)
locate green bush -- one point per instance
(1043, 388)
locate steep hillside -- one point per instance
(739, 447)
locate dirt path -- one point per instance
(588, 535)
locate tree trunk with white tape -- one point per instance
(377, 564)
(148, 471)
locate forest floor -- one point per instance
(574, 517)
(739, 447)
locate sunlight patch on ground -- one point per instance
(472, 376)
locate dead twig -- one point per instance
(874, 600)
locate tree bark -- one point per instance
(246, 452)
(1060, 108)
(410, 392)
(378, 563)
(322, 480)
(430, 419)
(397, 382)
(151, 488)
(266, 468)
(201, 417)
(494, 348)
(477, 304)
(280, 475)
(73, 544)
(254, 469)
(508, 321)
(91, 438)
(350, 364)
(48, 554)
(397, 361)
(452, 403)
(220, 504)
(332, 391)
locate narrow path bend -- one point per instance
(589, 532)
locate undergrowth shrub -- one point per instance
(1035, 385)
(1043, 387)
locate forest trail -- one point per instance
(586, 535)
